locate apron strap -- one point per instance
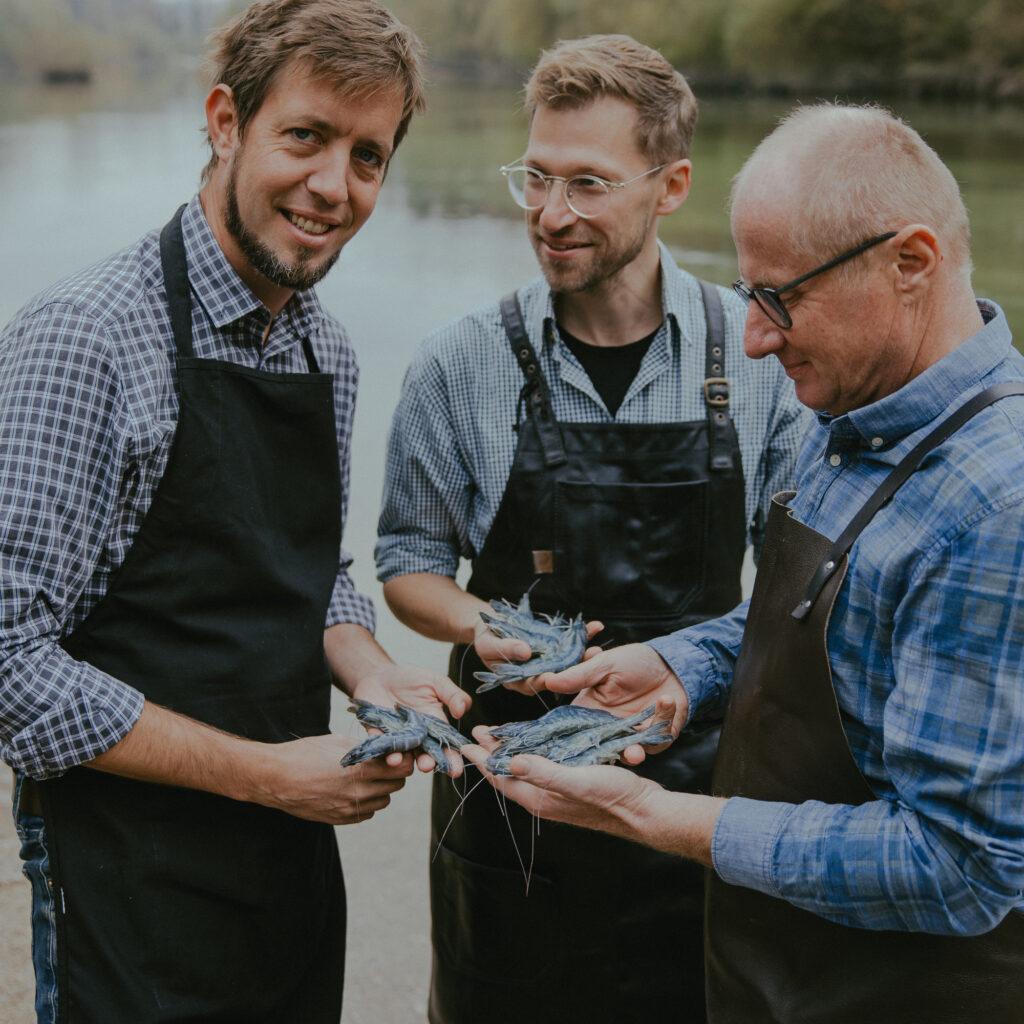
(716, 386)
(892, 484)
(175, 269)
(535, 390)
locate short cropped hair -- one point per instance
(856, 172)
(577, 71)
(356, 45)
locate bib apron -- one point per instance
(175, 904)
(643, 527)
(783, 740)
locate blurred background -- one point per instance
(100, 117)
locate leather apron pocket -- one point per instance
(486, 925)
(631, 549)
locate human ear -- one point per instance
(222, 120)
(918, 255)
(675, 187)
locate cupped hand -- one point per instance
(494, 651)
(422, 690)
(601, 797)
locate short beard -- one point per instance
(263, 259)
(589, 279)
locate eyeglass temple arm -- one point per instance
(841, 258)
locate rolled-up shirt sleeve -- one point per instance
(427, 485)
(942, 848)
(63, 437)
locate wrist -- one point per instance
(259, 768)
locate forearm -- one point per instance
(682, 824)
(165, 747)
(434, 606)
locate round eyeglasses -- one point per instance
(586, 195)
(770, 299)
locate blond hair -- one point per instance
(356, 45)
(577, 71)
(855, 172)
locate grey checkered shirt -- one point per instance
(451, 445)
(88, 409)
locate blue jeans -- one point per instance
(36, 868)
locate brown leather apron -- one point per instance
(783, 740)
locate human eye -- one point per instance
(369, 158)
(304, 135)
(588, 185)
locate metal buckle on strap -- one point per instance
(716, 391)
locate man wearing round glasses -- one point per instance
(599, 439)
(864, 828)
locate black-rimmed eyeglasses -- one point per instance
(769, 299)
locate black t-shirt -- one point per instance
(611, 369)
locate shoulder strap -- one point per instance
(535, 390)
(892, 483)
(716, 386)
(175, 270)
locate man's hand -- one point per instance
(624, 681)
(494, 651)
(600, 797)
(419, 689)
(304, 777)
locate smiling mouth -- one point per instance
(311, 227)
(564, 246)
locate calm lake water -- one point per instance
(85, 173)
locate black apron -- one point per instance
(784, 740)
(174, 904)
(643, 527)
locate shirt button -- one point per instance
(877, 442)
(835, 460)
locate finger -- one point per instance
(592, 652)
(482, 734)
(634, 754)
(593, 628)
(476, 754)
(425, 763)
(456, 700)
(504, 650)
(572, 680)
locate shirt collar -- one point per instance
(223, 294)
(884, 423)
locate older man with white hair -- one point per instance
(865, 829)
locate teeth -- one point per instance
(311, 227)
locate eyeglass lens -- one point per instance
(584, 195)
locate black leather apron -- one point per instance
(174, 904)
(643, 527)
(783, 739)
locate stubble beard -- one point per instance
(296, 277)
(568, 280)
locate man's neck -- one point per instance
(271, 295)
(620, 310)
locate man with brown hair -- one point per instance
(643, 456)
(174, 599)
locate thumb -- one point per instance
(457, 701)
(579, 677)
(538, 771)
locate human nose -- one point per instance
(329, 179)
(761, 337)
(555, 214)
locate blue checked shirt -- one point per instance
(926, 647)
(451, 445)
(88, 410)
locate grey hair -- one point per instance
(854, 172)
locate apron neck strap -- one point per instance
(535, 391)
(716, 386)
(175, 269)
(892, 484)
